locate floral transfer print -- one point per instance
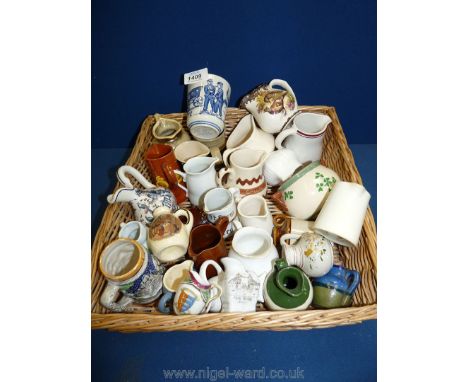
(269, 100)
(325, 182)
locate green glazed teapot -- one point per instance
(287, 288)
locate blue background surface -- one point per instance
(326, 50)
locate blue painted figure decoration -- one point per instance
(209, 90)
(219, 96)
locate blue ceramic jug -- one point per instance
(336, 288)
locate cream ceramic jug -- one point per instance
(271, 107)
(244, 171)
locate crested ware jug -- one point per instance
(143, 201)
(271, 107)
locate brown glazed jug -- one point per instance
(207, 243)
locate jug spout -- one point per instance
(199, 165)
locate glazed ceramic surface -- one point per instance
(171, 281)
(279, 166)
(200, 175)
(254, 248)
(287, 288)
(222, 202)
(240, 288)
(253, 212)
(194, 296)
(207, 243)
(190, 149)
(207, 102)
(342, 215)
(304, 193)
(336, 288)
(270, 106)
(134, 230)
(244, 171)
(168, 237)
(304, 136)
(169, 131)
(143, 201)
(247, 135)
(131, 272)
(312, 252)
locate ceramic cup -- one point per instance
(279, 166)
(247, 135)
(131, 271)
(207, 102)
(303, 194)
(171, 281)
(162, 164)
(134, 230)
(222, 202)
(168, 131)
(190, 149)
(342, 215)
(253, 212)
(305, 136)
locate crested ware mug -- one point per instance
(336, 288)
(240, 288)
(207, 102)
(168, 131)
(254, 248)
(311, 252)
(244, 171)
(279, 166)
(303, 194)
(342, 215)
(131, 271)
(134, 230)
(287, 288)
(143, 201)
(253, 212)
(194, 295)
(171, 281)
(304, 136)
(168, 237)
(247, 134)
(222, 202)
(200, 176)
(271, 107)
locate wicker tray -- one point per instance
(337, 156)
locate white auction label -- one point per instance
(196, 76)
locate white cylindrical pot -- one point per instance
(343, 213)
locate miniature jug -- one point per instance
(169, 131)
(287, 288)
(240, 288)
(219, 202)
(336, 288)
(312, 252)
(272, 108)
(143, 201)
(200, 176)
(168, 237)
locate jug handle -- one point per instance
(227, 153)
(286, 86)
(277, 197)
(235, 192)
(205, 265)
(188, 215)
(288, 236)
(221, 224)
(122, 176)
(170, 174)
(353, 278)
(184, 177)
(222, 173)
(283, 135)
(218, 294)
(109, 297)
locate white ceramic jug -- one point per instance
(200, 176)
(253, 212)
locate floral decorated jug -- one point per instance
(272, 108)
(143, 201)
(312, 252)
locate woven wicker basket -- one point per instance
(337, 156)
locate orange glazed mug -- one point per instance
(162, 163)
